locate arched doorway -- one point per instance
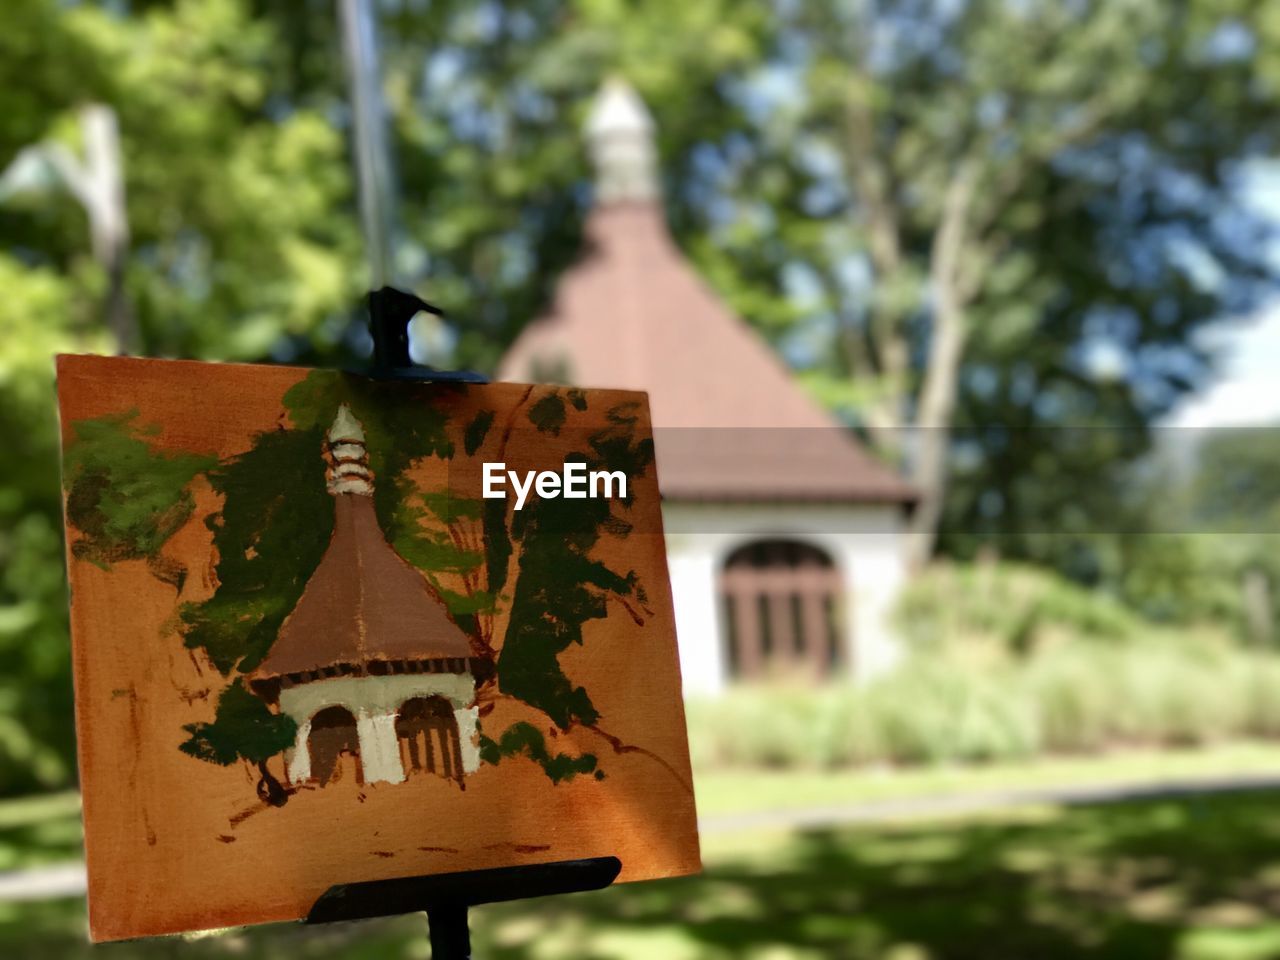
(428, 735)
(334, 746)
(783, 604)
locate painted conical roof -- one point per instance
(365, 607)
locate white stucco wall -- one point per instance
(374, 702)
(867, 543)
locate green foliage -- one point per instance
(559, 587)
(400, 428)
(240, 243)
(525, 740)
(496, 114)
(124, 497)
(1007, 662)
(1015, 605)
(431, 550)
(548, 413)
(244, 239)
(945, 707)
(1236, 485)
(477, 430)
(1208, 542)
(242, 729)
(497, 544)
(275, 522)
(38, 315)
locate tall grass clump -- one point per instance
(1018, 667)
(1014, 606)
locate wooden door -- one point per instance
(334, 746)
(783, 603)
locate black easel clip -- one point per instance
(390, 311)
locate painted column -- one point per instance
(466, 719)
(379, 747)
(297, 761)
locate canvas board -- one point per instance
(309, 650)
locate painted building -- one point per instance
(369, 664)
(786, 539)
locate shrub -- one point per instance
(1167, 689)
(1016, 606)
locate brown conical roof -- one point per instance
(365, 608)
(730, 422)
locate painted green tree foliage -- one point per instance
(126, 498)
(556, 572)
(276, 519)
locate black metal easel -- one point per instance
(445, 897)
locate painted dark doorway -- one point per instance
(334, 746)
(428, 735)
(783, 605)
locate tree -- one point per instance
(244, 729)
(983, 198)
(1083, 158)
(242, 245)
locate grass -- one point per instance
(1187, 878)
(978, 702)
(39, 830)
(730, 791)
(1196, 880)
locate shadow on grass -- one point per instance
(1188, 878)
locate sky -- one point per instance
(1246, 389)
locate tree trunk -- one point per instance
(103, 196)
(933, 426)
(270, 790)
(942, 370)
(885, 415)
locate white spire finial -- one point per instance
(348, 457)
(619, 133)
(346, 427)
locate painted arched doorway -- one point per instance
(428, 735)
(783, 603)
(334, 746)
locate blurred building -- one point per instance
(785, 537)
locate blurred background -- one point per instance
(996, 672)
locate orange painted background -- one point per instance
(174, 843)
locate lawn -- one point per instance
(1191, 878)
(728, 792)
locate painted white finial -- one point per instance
(346, 427)
(349, 458)
(619, 133)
